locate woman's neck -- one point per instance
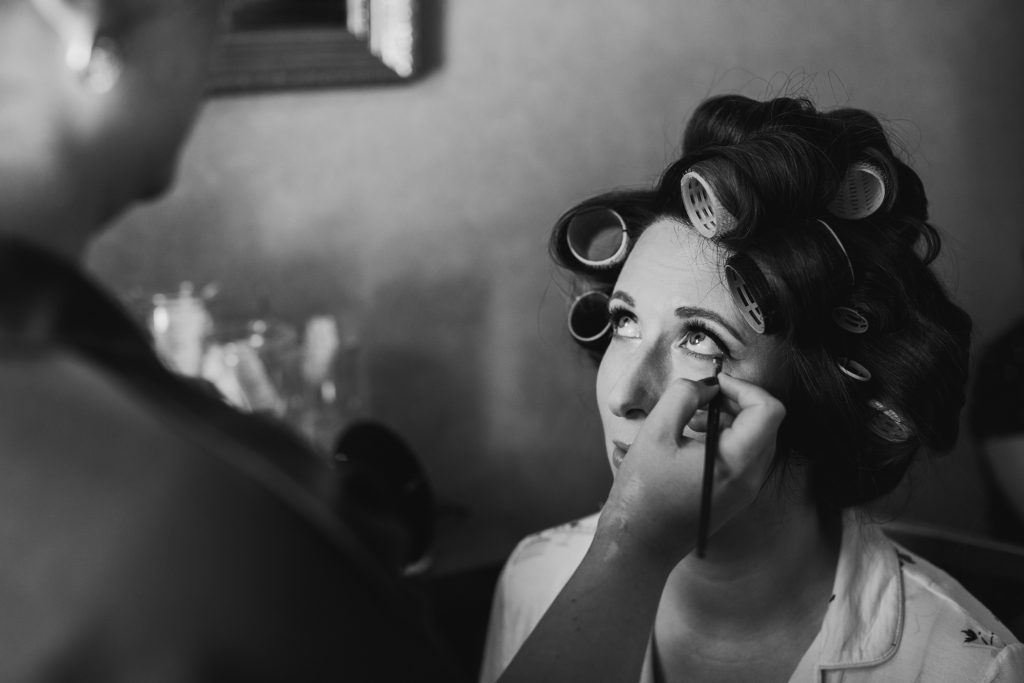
(775, 563)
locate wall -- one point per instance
(425, 208)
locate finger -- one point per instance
(743, 394)
(699, 421)
(677, 406)
(730, 404)
(758, 415)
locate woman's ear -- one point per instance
(103, 69)
(93, 60)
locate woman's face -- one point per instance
(163, 85)
(672, 314)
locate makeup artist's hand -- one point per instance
(654, 504)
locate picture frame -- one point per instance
(299, 44)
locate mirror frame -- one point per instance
(381, 43)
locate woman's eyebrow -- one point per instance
(696, 312)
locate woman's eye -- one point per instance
(625, 325)
(699, 342)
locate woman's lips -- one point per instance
(619, 451)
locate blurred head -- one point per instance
(96, 99)
(861, 403)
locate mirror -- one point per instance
(291, 44)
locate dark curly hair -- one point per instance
(776, 167)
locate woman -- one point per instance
(790, 246)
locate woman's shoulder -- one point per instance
(948, 634)
(895, 616)
(556, 543)
(533, 575)
(931, 592)
(543, 562)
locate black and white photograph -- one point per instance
(511, 341)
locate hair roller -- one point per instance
(887, 424)
(849, 319)
(751, 294)
(841, 249)
(709, 194)
(596, 237)
(703, 207)
(854, 370)
(588, 318)
(868, 186)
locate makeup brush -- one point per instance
(710, 454)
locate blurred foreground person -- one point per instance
(147, 531)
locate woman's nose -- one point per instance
(641, 380)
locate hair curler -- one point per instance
(839, 243)
(853, 370)
(703, 207)
(867, 187)
(597, 237)
(588, 317)
(888, 424)
(849, 319)
(751, 293)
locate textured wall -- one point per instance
(426, 207)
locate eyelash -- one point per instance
(616, 314)
(698, 326)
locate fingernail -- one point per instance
(711, 381)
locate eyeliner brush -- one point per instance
(710, 454)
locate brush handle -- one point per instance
(710, 455)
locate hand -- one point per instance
(654, 504)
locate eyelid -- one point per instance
(696, 325)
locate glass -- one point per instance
(310, 375)
(312, 379)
